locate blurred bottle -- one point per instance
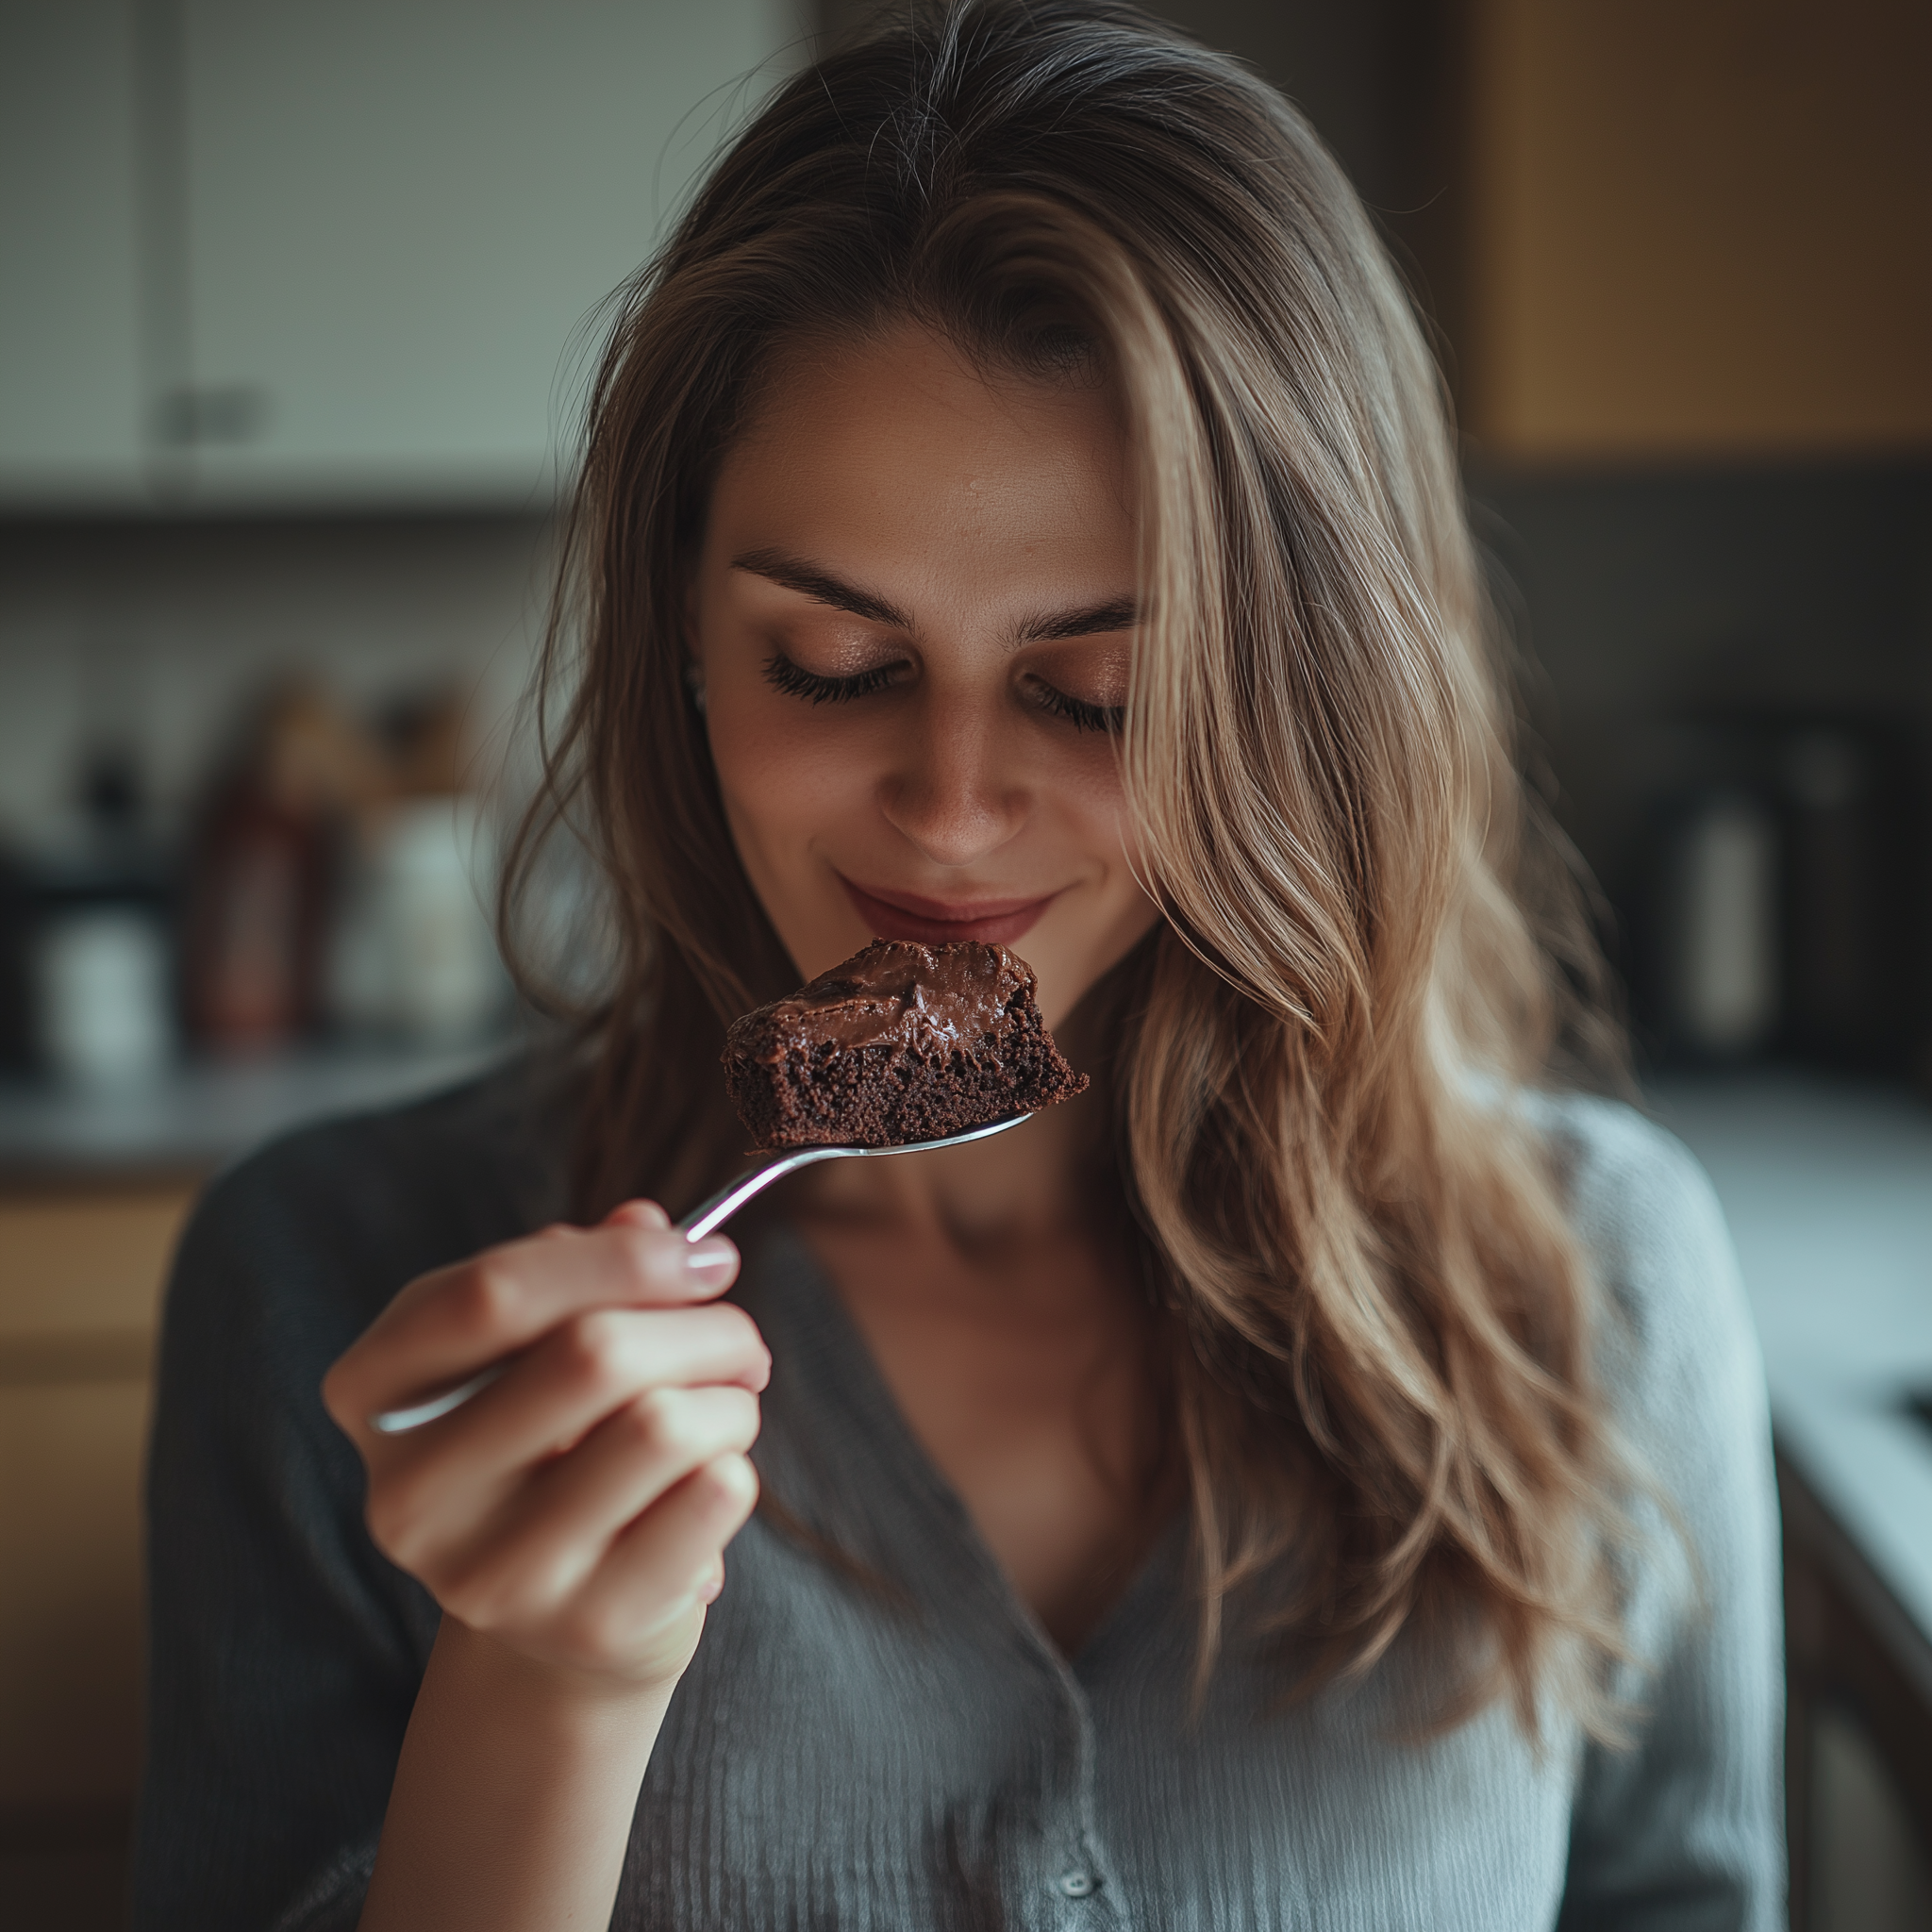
(1720, 927)
(416, 955)
(415, 952)
(255, 920)
(264, 869)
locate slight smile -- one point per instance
(939, 922)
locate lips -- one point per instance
(939, 921)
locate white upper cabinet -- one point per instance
(399, 213)
(70, 352)
(376, 232)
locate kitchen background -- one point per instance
(295, 308)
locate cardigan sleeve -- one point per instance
(285, 1651)
(1681, 1826)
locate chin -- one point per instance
(1063, 982)
(1060, 992)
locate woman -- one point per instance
(1320, 1477)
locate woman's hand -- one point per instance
(576, 1511)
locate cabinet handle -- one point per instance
(198, 415)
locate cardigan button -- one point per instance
(1079, 1884)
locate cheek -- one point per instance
(773, 771)
(1093, 802)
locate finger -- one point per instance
(639, 1214)
(522, 1288)
(461, 1468)
(667, 1560)
(560, 1524)
(448, 1324)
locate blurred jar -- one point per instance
(103, 996)
(415, 954)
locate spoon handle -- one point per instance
(715, 1212)
(693, 1227)
(399, 1422)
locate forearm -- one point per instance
(514, 1796)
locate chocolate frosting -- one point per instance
(936, 1000)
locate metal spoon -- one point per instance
(695, 1225)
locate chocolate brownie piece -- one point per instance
(902, 1043)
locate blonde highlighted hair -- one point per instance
(1368, 944)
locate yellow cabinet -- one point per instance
(1698, 230)
(80, 1279)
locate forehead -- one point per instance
(901, 426)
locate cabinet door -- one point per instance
(81, 1277)
(400, 216)
(70, 370)
(71, 1601)
(1700, 231)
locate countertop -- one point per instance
(1828, 1191)
(1827, 1187)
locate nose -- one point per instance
(950, 792)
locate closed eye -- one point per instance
(1078, 712)
(796, 681)
(816, 688)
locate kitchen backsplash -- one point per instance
(251, 780)
(1733, 681)
(1703, 639)
(153, 635)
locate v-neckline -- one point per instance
(868, 1392)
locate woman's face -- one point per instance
(913, 617)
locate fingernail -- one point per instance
(712, 1258)
(712, 1587)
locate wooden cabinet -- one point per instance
(1859, 1762)
(262, 253)
(1698, 230)
(80, 1279)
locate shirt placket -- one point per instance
(1075, 1884)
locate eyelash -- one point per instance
(1078, 712)
(795, 681)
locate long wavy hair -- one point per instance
(1369, 939)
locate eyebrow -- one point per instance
(810, 580)
(1119, 613)
(821, 585)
